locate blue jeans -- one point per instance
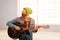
(26, 36)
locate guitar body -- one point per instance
(13, 33)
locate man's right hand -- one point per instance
(17, 27)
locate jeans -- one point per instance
(26, 36)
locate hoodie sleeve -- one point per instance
(10, 23)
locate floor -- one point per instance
(40, 35)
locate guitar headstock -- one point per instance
(44, 26)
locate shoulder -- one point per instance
(17, 19)
(31, 19)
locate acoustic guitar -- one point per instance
(13, 33)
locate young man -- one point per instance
(28, 24)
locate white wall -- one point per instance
(8, 11)
(44, 12)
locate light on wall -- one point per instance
(43, 10)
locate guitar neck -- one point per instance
(44, 26)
